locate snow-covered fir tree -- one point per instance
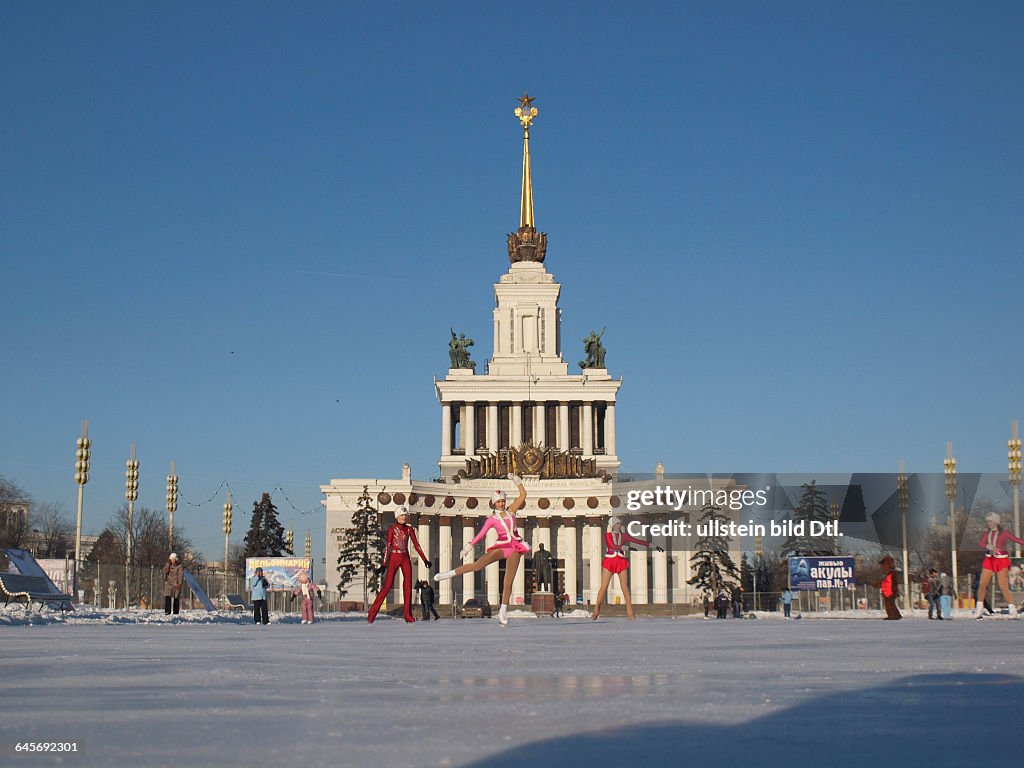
(362, 546)
(714, 568)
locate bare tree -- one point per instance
(14, 502)
(149, 539)
(55, 529)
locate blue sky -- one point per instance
(238, 235)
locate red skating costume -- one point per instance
(616, 561)
(396, 556)
(996, 564)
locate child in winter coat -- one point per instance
(307, 589)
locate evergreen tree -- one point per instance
(362, 546)
(266, 535)
(714, 568)
(813, 506)
(746, 574)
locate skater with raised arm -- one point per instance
(510, 544)
(997, 562)
(616, 562)
(396, 556)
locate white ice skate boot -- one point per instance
(1013, 612)
(442, 575)
(503, 615)
(979, 610)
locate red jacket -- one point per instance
(997, 545)
(399, 537)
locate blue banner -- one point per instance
(281, 572)
(814, 573)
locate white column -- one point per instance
(661, 577)
(539, 425)
(492, 427)
(567, 553)
(468, 578)
(446, 429)
(470, 420)
(595, 548)
(492, 573)
(563, 426)
(588, 429)
(444, 558)
(516, 434)
(423, 534)
(638, 577)
(609, 429)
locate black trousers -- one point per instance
(172, 605)
(259, 612)
(428, 607)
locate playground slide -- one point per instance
(198, 591)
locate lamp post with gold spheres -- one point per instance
(227, 534)
(172, 505)
(949, 465)
(1013, 454)
(903, 502)
(131, 493)
(83, 449)
(289, 541)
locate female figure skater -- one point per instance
(510, 544)
(617, 562)
(308, 590)
(396, 555)
(996, 561)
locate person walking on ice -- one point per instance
(997, 561)
(396, 555)
(510, 544)
(615, 562)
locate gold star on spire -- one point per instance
(526, 112)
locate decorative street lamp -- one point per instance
(950, 469)
(289, 541)
(172, 505)
(83, 449)
(227, 533)
(309, 545)
(903, 501)
(758, 554)
(1015, 476)
(131, 493)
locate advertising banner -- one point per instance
(814, 573)
(281, 572)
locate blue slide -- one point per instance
(198, 591)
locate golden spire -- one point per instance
(526, 112)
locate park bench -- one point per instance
(33, 589)
(237, 601)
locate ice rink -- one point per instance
(542, 692)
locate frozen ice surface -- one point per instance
(133, 688)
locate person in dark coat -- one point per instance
(737, 602)
(427, 601)
(174, 578)
(707, 605)
(890, 587)
(559, 602)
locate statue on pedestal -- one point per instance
(458, 352)
(542, 569)
(595, 350)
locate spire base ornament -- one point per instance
(527, 245)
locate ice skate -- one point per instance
(503, 615)
(442, 575)
(979, 610)
(1013, 612)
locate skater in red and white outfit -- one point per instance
(616, 562)
(396, 555)
(510, 544)
(996, 561)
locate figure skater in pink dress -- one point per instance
(510, 544)
(616, 562)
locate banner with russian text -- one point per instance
(814, 573)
